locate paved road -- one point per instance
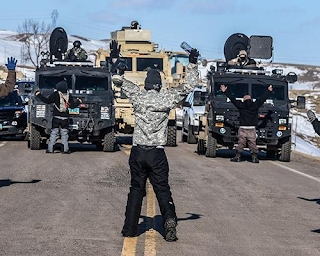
(74, 204)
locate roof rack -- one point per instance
(71, 63)
(248, 71)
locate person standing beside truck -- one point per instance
(248, 110)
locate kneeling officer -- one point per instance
(148, 159)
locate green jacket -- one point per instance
(79, 53)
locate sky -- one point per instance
(204, 24)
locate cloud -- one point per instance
(144, 4)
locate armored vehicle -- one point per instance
(93, 121)
(220, 124)
(141, 54)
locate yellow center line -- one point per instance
(129, 246)
(151, 235)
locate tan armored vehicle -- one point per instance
(141, 54)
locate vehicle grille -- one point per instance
(6, 115)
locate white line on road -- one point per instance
(297, 172)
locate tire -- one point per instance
(191, 139)
(286, 152)
(108, 142)
(201, 149)
(211, 146)
(35, 138)
(172, 136)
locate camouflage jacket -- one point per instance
(152, 108)
(80, 53)
(8, 86)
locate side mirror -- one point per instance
(186, 104)
(301, 102)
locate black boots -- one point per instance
(237, 158)
(170, 230)
(255, 159)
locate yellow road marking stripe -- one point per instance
(127, 151)
(151, 235)
(126, 146)
(129, 246)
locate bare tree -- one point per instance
(35, 36)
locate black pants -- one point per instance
(153, 164)
(60, 123)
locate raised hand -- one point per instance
(114, 49)
(12, 63)
(223, 88)
(270, 88)
(193, 56)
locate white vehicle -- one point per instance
(179, 117)
(193, 108)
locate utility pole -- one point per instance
(54, 17)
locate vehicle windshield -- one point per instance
(184, 60)
(49, 82)
(258, 90)
(25, 86)
(238, 90)
(128, 61)
(91, 83)
(144, 64)
(199, 99)
(11, 100)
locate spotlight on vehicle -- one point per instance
(277, 71)
(279, 134)
(223, 130)
(291, 77)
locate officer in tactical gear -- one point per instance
(134, 25)
(76, 53)
(148, 159)
(10, 82)
(242, 60)
(314, 121)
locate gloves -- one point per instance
(193, 57)
(121, 66)
(117, 80)
(72, 56)
(114, 49)
(311, 116)
(12, 62)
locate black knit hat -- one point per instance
(153, 80)
(62, 86)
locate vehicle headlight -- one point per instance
(282, 121)
(40, 110)
(18, 113)
(105, 113)
(219, 118)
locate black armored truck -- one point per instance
(244, 76)
(93, 121)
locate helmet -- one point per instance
(77, 44)
(134, 24)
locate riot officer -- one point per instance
(242, 60)
(148, 159)
(76, 53)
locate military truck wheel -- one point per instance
(201, 149)
(191, 138)
(172, 136)
(35, 138)
(211, 146)
(108, 142)
(286, 151)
